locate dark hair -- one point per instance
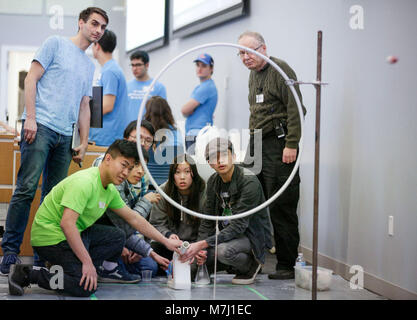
(132, 126)
(217, 145)
(148, 126)
(196, 188)
(140, 54)
(108, 41)
(124, 148)
(86, 13)
(158, 112)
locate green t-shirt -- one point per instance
(81, 192)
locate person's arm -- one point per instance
(108, 103)
(292, 139)
(163, 262)
(68, 226)
(189, 107)
(36, 72)
(194, 250)
(159, 219)
(143, 207)
(84, 125)
(248, 199)
(144, 227)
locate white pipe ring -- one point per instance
(259, 207)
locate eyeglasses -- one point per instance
(133, 65)
(146, 141)
(242, 53)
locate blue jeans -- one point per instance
(102, 243)
(146, 263)
(50, 153)
(141, 247)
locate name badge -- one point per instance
(260, 98)
(101, 205)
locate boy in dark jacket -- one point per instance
(232, 190)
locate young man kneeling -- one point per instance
(64, 234)
(232, 190)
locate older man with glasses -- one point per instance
(273, 110)
(137, 88)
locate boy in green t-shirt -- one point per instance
(64, 234)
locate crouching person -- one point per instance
(241, 242)
(64, 234)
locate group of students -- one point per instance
(122, 101)
(95, 222)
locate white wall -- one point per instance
(368, 152)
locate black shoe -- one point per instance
(19, 278)
(231, 270)
(282, 275)
(249, 277)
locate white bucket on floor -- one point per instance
(304, 277)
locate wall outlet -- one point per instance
(391, 225)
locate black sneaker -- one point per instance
(117, 275)
(249, 277)
(19, 278)
(282, 275)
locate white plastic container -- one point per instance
(304, 277)
(181, 272)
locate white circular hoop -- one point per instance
(253, 210)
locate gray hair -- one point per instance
(254, 35)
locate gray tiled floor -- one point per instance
(262, 289)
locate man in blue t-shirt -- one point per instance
(137, 88)
(115, 101)
(200, 108)
(57, 95)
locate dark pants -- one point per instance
(283, 211)
(234, 255)
(102, 242)
(50, 153)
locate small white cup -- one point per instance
(146, 275)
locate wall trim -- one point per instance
(370, 282)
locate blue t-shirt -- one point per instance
(137, 90)
(114, 123)
(68, 77)
(206, 94)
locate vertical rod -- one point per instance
(215, 260)
(316, 167)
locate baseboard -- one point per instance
(370, 282)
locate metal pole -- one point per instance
(316, 168)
